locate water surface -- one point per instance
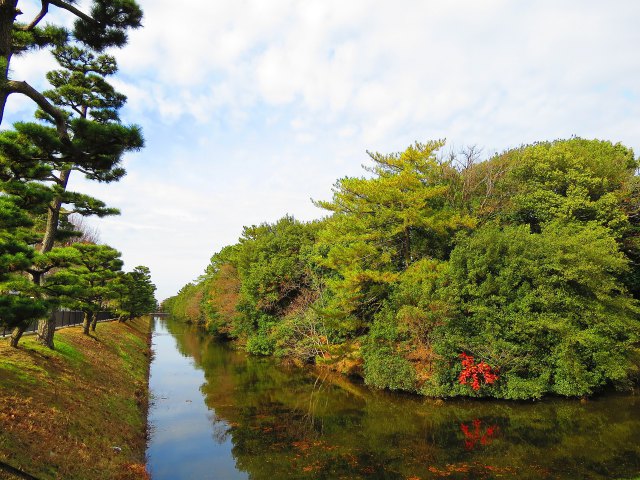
(220, 414)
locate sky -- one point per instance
(251, 108)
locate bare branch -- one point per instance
(89, 234)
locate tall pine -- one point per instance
(104, 25)
(97, 143)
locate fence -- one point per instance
(64, 318)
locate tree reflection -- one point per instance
(477, 435)
(287, 422)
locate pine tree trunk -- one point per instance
(86, 323)
(94, 322)
(8, 14)
(16, 335)
(47, 326)
(46, 329)
(53, 216)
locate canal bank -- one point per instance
(219, 413)
(79, 412)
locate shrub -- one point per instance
(384, 368)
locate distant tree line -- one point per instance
(513, 277)
(46, 262)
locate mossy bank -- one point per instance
(80, 411)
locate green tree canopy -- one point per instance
(546, 309)
(384, 223)
(94, 147)
(135, 293)
(512, 278)
(104, 25)
(89, 282)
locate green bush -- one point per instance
(260, 344)
(384, 368)
(546, 309)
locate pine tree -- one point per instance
(135, 293)
(23, 197)
(18, 305)
(89, 282)
(104, 26)
(382, 225)
(97, 142)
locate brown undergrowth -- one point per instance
(78, 412)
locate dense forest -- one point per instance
(437, 273)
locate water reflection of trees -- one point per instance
(285, 422)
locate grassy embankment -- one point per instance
(62, 412)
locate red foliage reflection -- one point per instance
(475, 434)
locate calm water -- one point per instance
(219, 414)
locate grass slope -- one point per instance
(63, 411)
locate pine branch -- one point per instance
(38, 18)
(59, 117)
(53, 178)
(34, 271)
(70, 8)
(77, 168)
(60, 4)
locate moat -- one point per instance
(218, 413)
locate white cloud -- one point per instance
(379, 64)
(251, 107)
